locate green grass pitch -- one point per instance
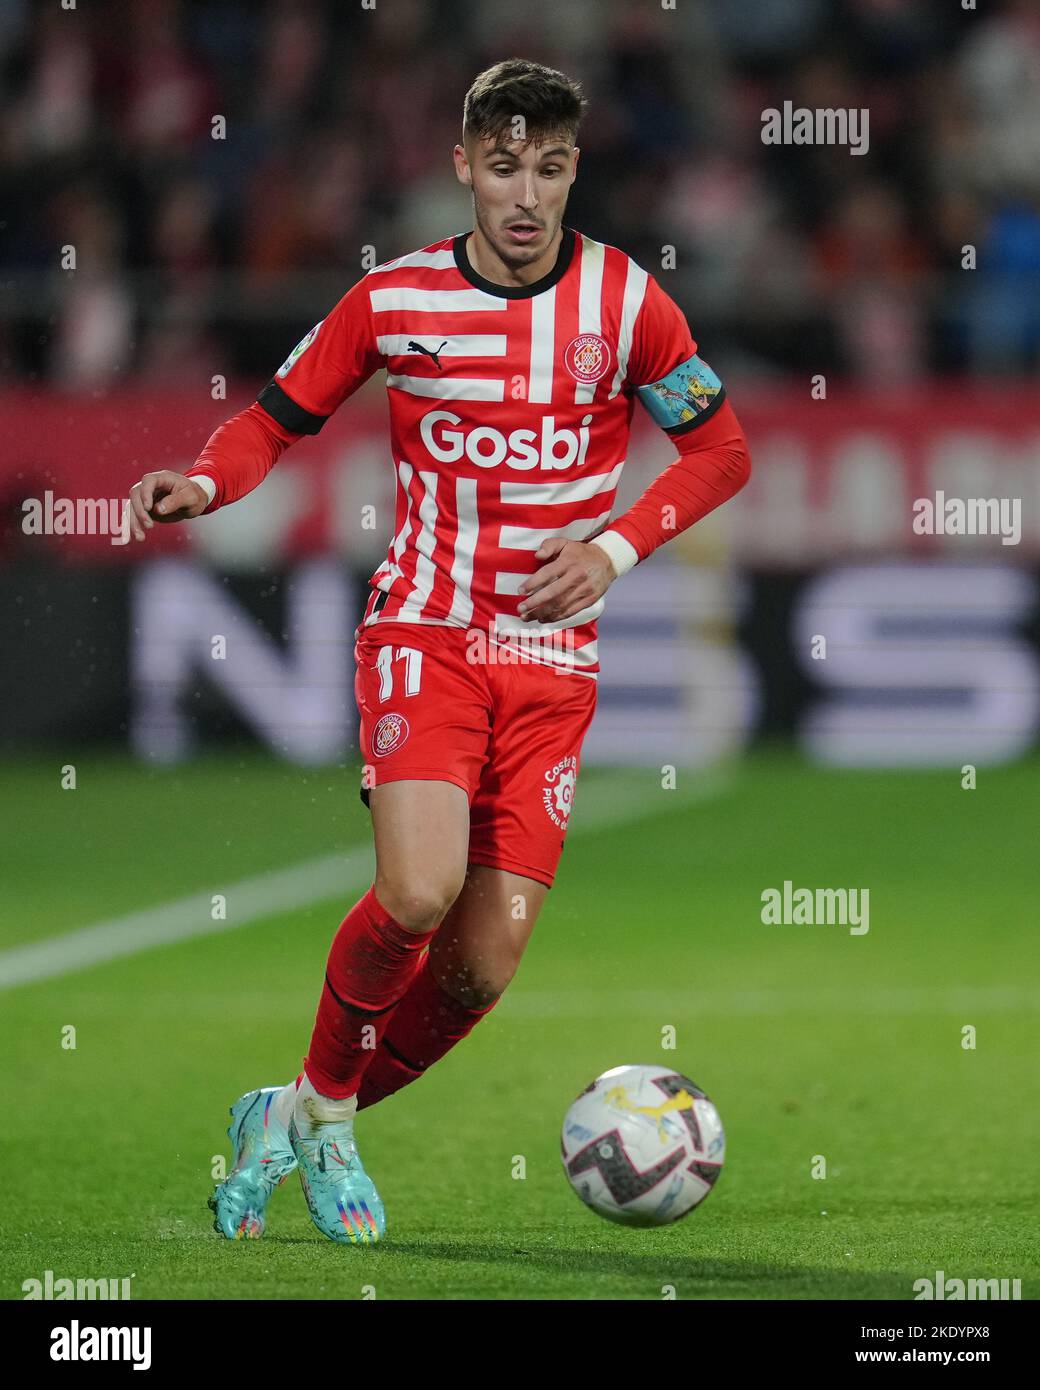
(811, 1041)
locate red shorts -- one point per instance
(508, 733)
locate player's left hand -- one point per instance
(577, 574)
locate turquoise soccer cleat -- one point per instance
(263, 1160)
(342, 1198)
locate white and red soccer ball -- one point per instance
(642, 1145)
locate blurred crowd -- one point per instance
(217, 167)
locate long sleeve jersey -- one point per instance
(510, 413)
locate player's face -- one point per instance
(519, 192)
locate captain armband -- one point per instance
(685, 398)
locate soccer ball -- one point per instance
(642, 1145)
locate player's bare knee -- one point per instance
(417, 904)
(475, 993)
(475, 984)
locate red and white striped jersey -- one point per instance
(510, 410)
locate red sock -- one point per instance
(371, 965)
(426, 1024)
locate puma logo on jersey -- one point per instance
(413, 346)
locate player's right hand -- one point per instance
(162, 496)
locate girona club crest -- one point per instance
(390, 733)
(587, 357)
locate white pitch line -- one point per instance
(607, 800)
(247, 901)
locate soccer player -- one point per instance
(514, 355)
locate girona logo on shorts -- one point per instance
(587, 357)
(390, 733)
(558, 793)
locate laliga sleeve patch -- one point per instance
(298, 351)
(685, 397)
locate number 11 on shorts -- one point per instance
(412, 670)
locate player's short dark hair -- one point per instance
(549, 102)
